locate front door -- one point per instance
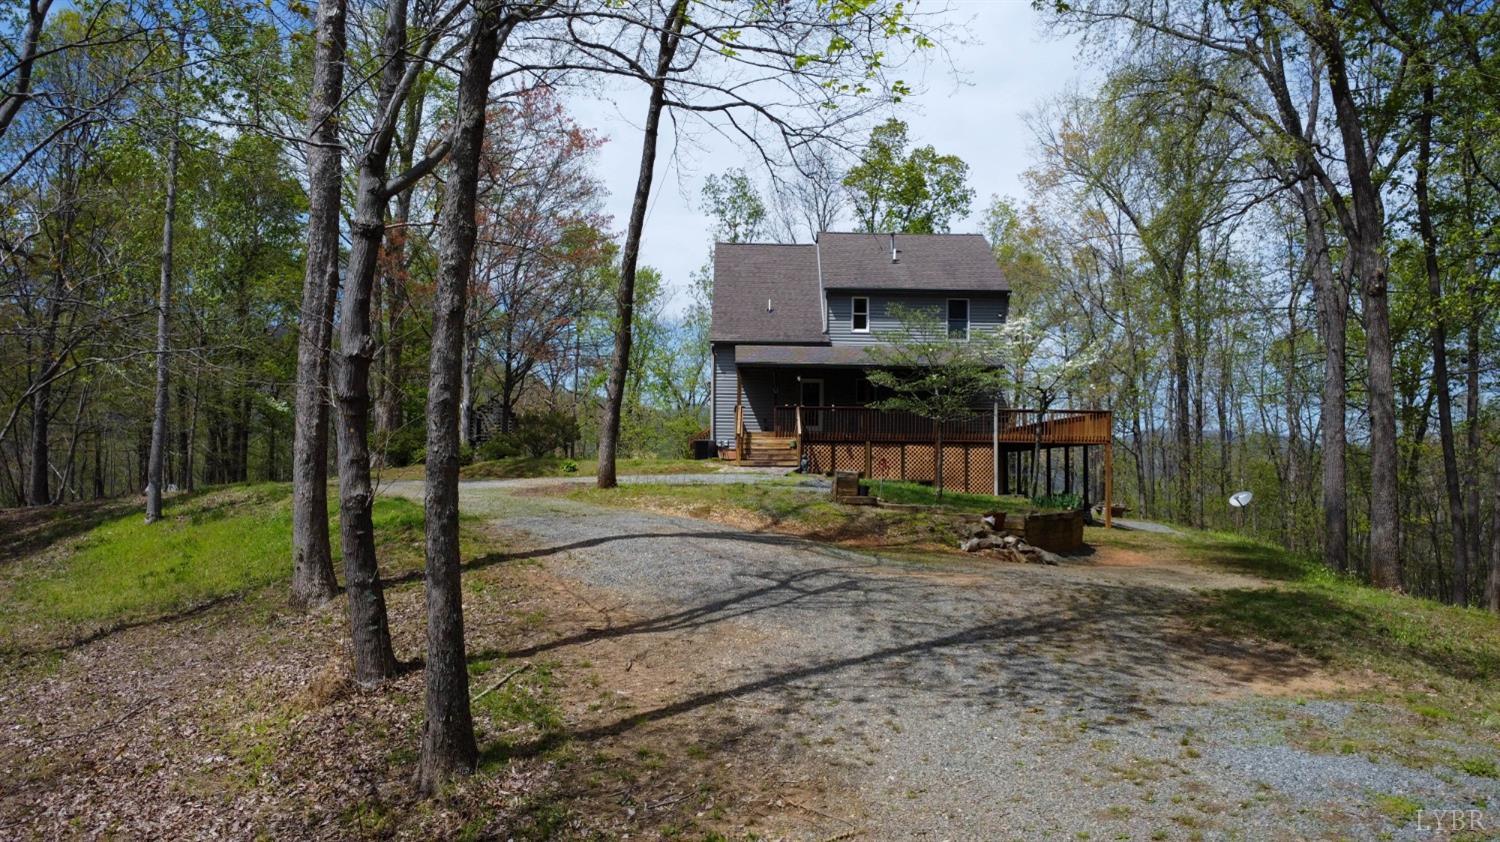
(811, 395)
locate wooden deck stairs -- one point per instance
(767, 450)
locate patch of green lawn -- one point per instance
(527, 467)
(208, 545)
(784, 507)
(554, 466)
(912, 493)
(1437, 665)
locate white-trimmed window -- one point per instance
(958, 318)
(859, 309)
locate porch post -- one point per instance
(1109, 483)
(1085, 477)
(1049, 471)
(995, 444)
(1067, 470)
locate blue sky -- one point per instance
(1007, 67)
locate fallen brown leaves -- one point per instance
(241, 722)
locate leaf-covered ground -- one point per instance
(157, 686)
(1170, 686)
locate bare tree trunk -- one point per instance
(1492, 590)
(388, 407)
(156, 468)
(448, 746)
(1439, 338)
(466, 394)
(369, 627)
(1471, 450)
(1332, 302)
(1182, 423)
(39, 485)
(609, 430)
(313, 581)
(1365, 230)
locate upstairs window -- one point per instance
(958, 318)
(861, 315)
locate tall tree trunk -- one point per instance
(397, 262)
(1471, 450)
(156, 469)
(1492, 589)
(369, 627)
(609, 430)
(1365, 230)
(1181, 417)
(39, 485)
(1331, 300)
(448, 746)
(1439, 337)
(313, 581)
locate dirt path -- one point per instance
(954, 701)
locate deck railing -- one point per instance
(1016, 426)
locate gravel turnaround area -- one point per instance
(967, 700)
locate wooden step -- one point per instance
(771, 460)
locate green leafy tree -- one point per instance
(1040, 367)
(930, 375)
(916, 192)
(734, 203)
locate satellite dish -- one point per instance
(1240, 499)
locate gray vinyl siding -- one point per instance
(986, 312)
(724, 380)
(767, 387)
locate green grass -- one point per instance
(209, 545)
(911, 493)
(783, 507)
(776, 502)
(1432, 670)
(1346, 623)
(526, 467)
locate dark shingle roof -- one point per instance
(938, 262)
(747, 275)
(803, 355)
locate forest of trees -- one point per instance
(263, 241)
(1274, 222)
(266, 241)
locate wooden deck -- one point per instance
(881, 444)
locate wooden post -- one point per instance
(798, 426)
(1087, 488)
(869, 461)
(739, 419)
(995, 447)
(1067, 470)
(1109, 484)
(1049, 471)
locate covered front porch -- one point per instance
(820, 418)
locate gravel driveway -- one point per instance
(971, 700)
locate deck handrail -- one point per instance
(1016, 426)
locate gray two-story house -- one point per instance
(792, 324)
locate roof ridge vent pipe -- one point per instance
(895, 253)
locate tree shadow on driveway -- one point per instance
(875, 637)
